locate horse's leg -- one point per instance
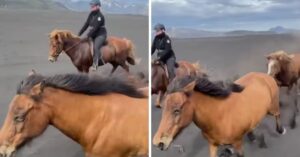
(213, 150)
(238, 146)
(125, 66)
(157, 103)
(279, 128)
(115, 66)
(296, 97)
(261, 141)
(251, 136)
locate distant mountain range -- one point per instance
(197, 33)
(139, 7)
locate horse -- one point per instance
(160, 79)
(223, 115)
(88, 109)
(285, 68)
(116, 51)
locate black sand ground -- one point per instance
(24, 46)
(224, 58)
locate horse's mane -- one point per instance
(282, 55)
(81, 83)
(205, 86)
(62, 34)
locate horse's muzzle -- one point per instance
(52, 59)
(7, 151)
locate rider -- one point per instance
(165, 53)
(95, 24)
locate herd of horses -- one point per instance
(90, 109)
(107, 116)
(225, 114)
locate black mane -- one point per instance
(81, 83)
(204, 86)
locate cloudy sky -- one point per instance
(220, 15)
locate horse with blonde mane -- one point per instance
(160, 79)
(116, 51)
(285, 68)
(88, 109)
(224, 115)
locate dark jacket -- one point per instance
(162, 43)
(97, 22)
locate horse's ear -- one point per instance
(37, 90)
(268, 57)
(189, 88)
(57, 37)
(32, 72)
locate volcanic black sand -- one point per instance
(225, 58)
(24, 46)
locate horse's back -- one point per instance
(296, 60)
(261, 84)
(185, 68)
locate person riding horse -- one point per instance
(165, 53)
(95, 24)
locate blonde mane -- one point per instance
(62, 34)
(280, 55)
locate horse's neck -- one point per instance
(72, 113)
(69, 47)
(205, 109)
(286, 72)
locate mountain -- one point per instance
(110, 6)
(139, 7)
(197, 33)
(32, 4)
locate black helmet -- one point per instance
(159, 27)
(95, 2)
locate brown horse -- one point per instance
(223, 115)
(88, 109)
(285, 68)
(160, 79)
(116, 51)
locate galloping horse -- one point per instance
(223, 115)
(116, 51)
(285, 69)
(88, 109)
(160, 79)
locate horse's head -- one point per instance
(177, 113)
(25, 119)
(276, 61)
(57, 38)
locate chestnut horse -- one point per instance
(285, 68)
(223, 115)
(160, 79)
(88, 109)
(116, 51)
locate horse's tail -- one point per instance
(130, 49)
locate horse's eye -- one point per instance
(176, 112)
(19, 118)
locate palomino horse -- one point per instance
(285, 69)
(160, 79)
(88, 109)
(116, 52)
(223, 115)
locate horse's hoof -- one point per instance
(263, 145)
(283, 131)
(227, 152)
(157, 106)
(293, 124)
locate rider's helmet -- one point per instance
(159, 27)
(95, 2)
